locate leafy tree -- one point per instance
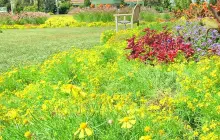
(87, 3)
(213, 2)
(50, 6)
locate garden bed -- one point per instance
(100, 94)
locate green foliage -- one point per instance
(166, 16)
(160, 9)
(213, 2)
(50, 6)
(166, 4)
(1, 31)
(18, 6)
(64, 7)
(100, 86)
(106, 35)
(122, 2)
(182, 4)
(95, 16)
(32, 8)
(87, 3)
(154, 16)
(149, 17)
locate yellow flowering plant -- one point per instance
(120, 98)
(83, 131)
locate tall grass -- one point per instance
(24, 18)
(94, 16)
(152, 16)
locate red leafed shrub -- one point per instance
(158, 46)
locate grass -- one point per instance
(30, 46)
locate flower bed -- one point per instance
(35, 18)
(100, 94)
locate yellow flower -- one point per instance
(127, 122)
(12, 114)
(218, 109)
(44, 107)
(25, 121)
(205, 129)
(83, 131)
(145, 138)
(161, 132)
(147, 129)
(195, 134)
(28, 134)
(213, 125)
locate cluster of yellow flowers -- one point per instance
(65, 21)
(99, 94)
(57, 22)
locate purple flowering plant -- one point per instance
(196, 34)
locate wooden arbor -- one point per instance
(134, 17)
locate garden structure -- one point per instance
(134, 16)
(3, 9)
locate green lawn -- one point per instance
(30, 46)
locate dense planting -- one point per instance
(158, 46)
(23, 18)
(99, 94)
(204, 43)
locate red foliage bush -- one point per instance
(158, 46)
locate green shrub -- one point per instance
(50, 6)
(87, 3)
(166, 16)
(30, 8)
(159, 9)
(213, 2)
(183, 4)
(64, 8)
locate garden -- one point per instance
(156, 81)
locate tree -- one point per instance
(50, 6)
(213, 2)
(87, 3)
(182, 4)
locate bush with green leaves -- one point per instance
(182, 4)
(160, 9)
(87, 3)
(32, 8)
(64, 7)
